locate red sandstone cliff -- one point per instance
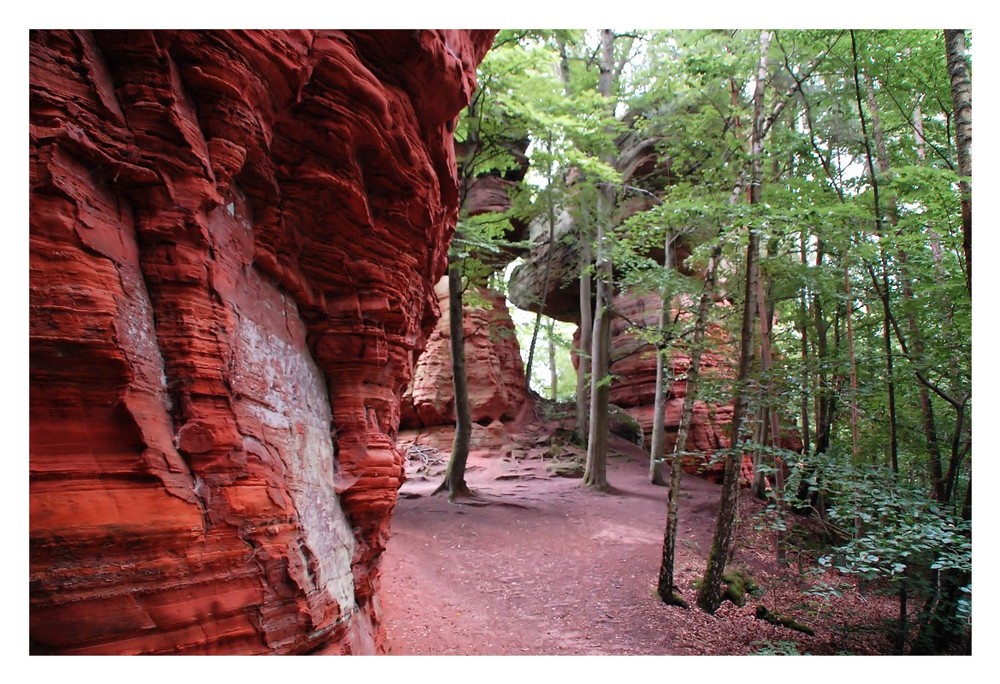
(494, 371)
(233, 244)
(494, 368)
(634, 369)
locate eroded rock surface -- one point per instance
(233, 244)
(494, 371)
(634, 369)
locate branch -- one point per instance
(787, 96)
(927, 142)
(956, 402)
(628, 52)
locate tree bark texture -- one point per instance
(961, 95)
(454, 478)
(595, 474)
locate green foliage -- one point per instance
(766, 647)
(892, 531)
(899, 534)
(821, 235)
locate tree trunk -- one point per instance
(710, 593)
(583, 350)
(916, 336)
(665, 582)
(545, 278)
(657, 442)
(853, 362)
(553, 371)
(961, 95)
(454, 478)
(595, 473)
(770, 427)
(804, 332)
(884, 287)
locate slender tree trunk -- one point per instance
(958, 453)
(766, 427)
(581, 429)
(546, 277)
(826, 397)
(657, 442)
(804, 332)
(553, 371)
(770, 426)
(710, 593)
(853, 362)
(906, 287)
(583, 350)
(665, 582)
(884, 288)
(595, 472)
(961, 95)
(454, 478)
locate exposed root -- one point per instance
(781, 621)
(467, 497)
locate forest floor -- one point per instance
(541, 565)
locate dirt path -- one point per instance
(551, 568)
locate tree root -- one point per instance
(674, 599)
(467, 497)
(781, 621)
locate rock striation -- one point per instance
(234, 237)
(494, 371)
(633, 366)
(494, 368)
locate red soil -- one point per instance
(545, 566)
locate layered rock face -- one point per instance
(633, 366)
(494, 372)
(233, 244)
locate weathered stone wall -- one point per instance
(494, 369)
(634, 369)
(233, 245)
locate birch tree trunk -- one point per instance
(961, 95)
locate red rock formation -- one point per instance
(494, 371)
(234, 238)
(634, 367)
